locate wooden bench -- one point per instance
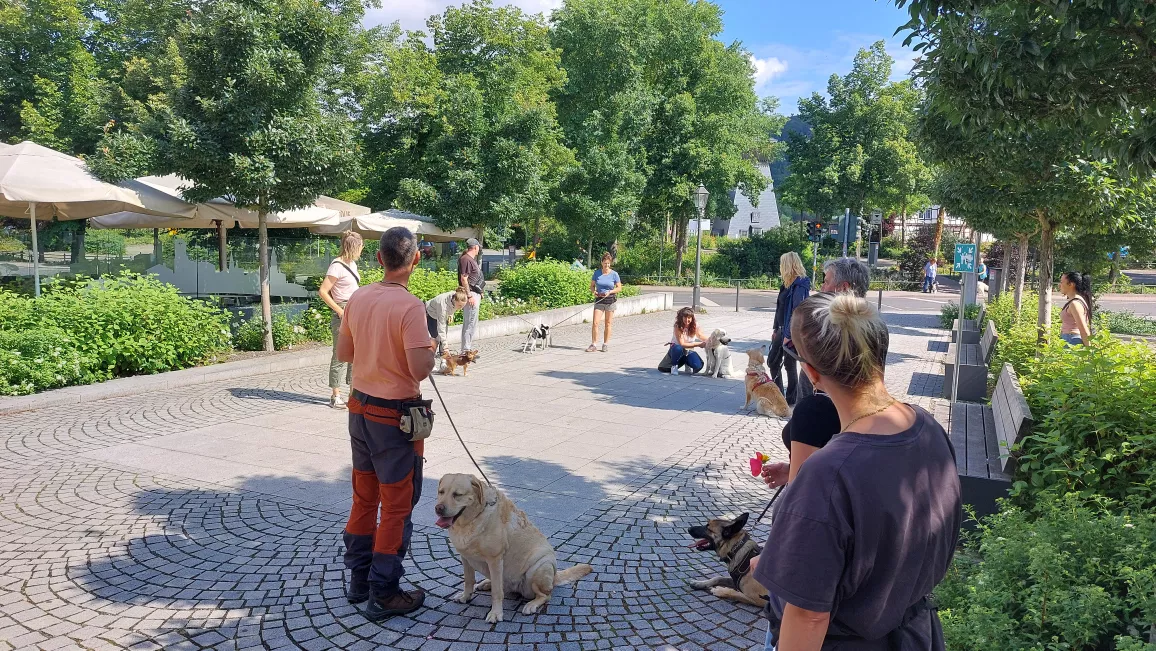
(983, 437)
(972, 328)
(972, 368)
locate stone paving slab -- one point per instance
(209, 516)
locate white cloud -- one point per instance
(805, 70)
(412, 14)
(766, 70)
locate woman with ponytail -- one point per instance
(1076, 316)
(868, 527)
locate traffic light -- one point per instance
(815, 231)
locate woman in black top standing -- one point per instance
(868, 527)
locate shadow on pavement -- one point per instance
(245, 393)
(925, 384)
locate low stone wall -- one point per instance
(512, 325)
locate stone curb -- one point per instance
(128, 386)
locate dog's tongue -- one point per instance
(700, 544)
(444, 522)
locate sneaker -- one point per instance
(605, 348)
(357, 590)
(336, 402)
(402, 602)
(592, 348)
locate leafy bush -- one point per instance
(1127, 323)
(314, 322)
(553, 283)
(1067, 575)
(1095, 407)
(424, 283)
(950, 311)
(124, 325)
(759, 255)
(250, 334)
(40, 359)
(892, 248)
(919, 247)
(103, 242)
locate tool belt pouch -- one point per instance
(417, 418)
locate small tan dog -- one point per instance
(462, 359)
(496, 538)
(768, 399)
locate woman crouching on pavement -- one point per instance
(439, 312)
(867, 529)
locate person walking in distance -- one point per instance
(384, 336)
(929, 273)
(341, 280)
(470, 276)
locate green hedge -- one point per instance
(553, 284)
(35, 360)
(1066, 575)
(424, 283)
(118, 326)
(1095, 407)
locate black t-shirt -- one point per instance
(866, 530)
(469, 267)
(814, 421)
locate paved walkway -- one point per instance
(210, 516)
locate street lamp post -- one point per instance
(700, 197)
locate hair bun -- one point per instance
(847, 309)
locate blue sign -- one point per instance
(965, 258)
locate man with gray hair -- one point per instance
(839, 275)
(384, 335)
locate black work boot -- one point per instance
(402, 602)
(357, 590)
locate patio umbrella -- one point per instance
(374, 224)
(325, 211)
(34, 178)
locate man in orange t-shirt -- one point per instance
(384, 336)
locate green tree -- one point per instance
(860, 152)
(1084, 65)
(51, 87)
(707, 124)
(247, 123)
(1037, 166)
(604, 109)
(468, 134)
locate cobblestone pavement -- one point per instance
(210, 516)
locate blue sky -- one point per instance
(796, 44)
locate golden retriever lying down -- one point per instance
(496, 538)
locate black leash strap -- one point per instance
(773, 498)
(451, 419)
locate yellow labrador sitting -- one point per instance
(494, 537)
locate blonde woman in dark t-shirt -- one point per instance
(868, 527)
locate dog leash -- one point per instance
(460, 440)
(773, 498)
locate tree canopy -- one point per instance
(860, 152)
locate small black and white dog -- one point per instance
(538, 337)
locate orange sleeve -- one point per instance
(415, 333)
